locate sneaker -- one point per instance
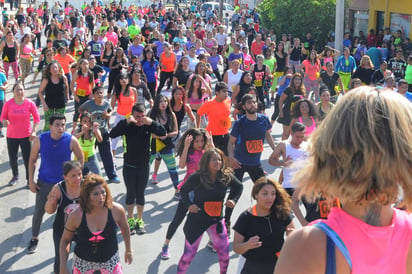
(132, 225)
(140, 230)
(211, 246)
(13, 180)
(32, 246)
(154, 179)
(177, 196)
(165, 252)
(114, 180)
(228, 229)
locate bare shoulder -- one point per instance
(117, 209)
(75, 217)
(309, 245)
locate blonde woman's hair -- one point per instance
(362, 150)
(366, 58)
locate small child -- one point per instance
(87, 133)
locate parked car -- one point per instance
(227, 8)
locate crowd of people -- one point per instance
(189, 87)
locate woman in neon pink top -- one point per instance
(16, 115)
(112, 36)
(305, 112)
(362, 155)
(311, 68)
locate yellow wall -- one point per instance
(388, 6)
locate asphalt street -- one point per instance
(17, 207)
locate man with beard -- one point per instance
(246, 143)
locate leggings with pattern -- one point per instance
(168, 156)
(220, 243)
(14, 66)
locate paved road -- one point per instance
(17, 207)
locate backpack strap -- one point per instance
(330, 233)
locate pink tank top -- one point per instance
(374, 249)
(309, 130)
(192, 163)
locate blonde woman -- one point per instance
(365, 70)
(365, 160)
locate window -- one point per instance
(401, 22)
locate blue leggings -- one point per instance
(169, 157)
(220, 243)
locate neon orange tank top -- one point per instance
(84, 88)
(125, 103)
(169, 62)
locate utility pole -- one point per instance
(220, 10)
(339, 24)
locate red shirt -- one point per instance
(257, 47)
(200, 34)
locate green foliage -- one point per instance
(299, 17)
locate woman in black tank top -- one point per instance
(107, 54)
(10, 50)
(64, 197)
(117, 63)
(177, 102)
(95, 224)
(53, 92)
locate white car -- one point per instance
(227, 8)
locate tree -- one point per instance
(300, 17)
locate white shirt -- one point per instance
(140, 22)
(153, 24)
(122, 25)
(80, 32)
(221, 39)
(192, 63)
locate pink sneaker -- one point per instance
(154, 179)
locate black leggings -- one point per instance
(255, 172)
(221, 141)
(135, 179)
(152, 89)
(164, 75)
(217, 74)
(180, 214)
(82, 99)
(276, 108)
(112, 78)
(13, 149)
(38, 39)
(57, 235)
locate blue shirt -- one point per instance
(159, 48)
(3, 79)
(376, 56)
(408, 96)
(342, 65)
(282, 88)
(250, 136)
(53, 154)
(96, 47)
(150, 70)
